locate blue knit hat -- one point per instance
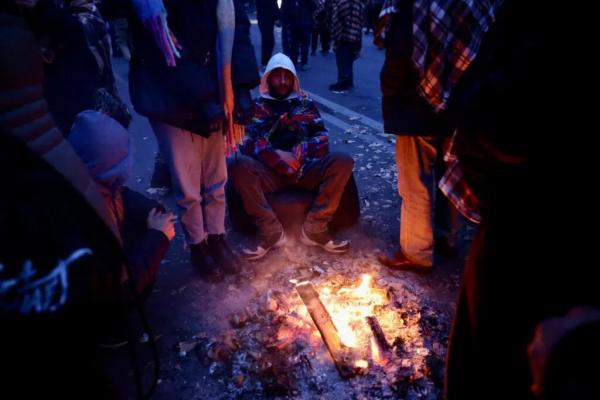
(104, 147)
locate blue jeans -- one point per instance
(415, 160)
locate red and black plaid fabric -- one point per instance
(457, 190)
(446, 38)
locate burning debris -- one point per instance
(345, 328)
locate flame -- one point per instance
(365, 286)
(375, 352)
(364, 364)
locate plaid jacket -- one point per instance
(447, 35)
(300, 118)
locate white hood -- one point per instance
(279, 60)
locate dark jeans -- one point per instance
(325, 39)
(328, 176)
(267, 37)
(344, 58)
(296, 39)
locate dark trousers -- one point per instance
(296, 40)
(267, 37)
(325, 39)
(328, 176)
(344, 58)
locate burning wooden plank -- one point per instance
(342, 356)
(384, 349)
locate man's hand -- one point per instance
(289, 159)
(162, 222)
(547, 335)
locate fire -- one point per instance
(363, 364)
(375, 352)
(349, 307)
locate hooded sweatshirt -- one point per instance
(292, 124)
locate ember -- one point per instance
(299, 337)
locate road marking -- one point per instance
(370, 122)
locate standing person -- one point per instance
(76, 45)
(267, 12)
(346, 32)
(419, 132)
(321, 27)
(59, 246)
(527, 261)
(297, 23)
(187, 83)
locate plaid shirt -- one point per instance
(302, 119)
(446, 38)
(457, 190)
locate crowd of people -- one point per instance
(474, 93)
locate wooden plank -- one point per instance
(384, 347)
(341, 354)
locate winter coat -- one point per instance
(405, 111)
(187, 96)
(297, 12)
(104, 147)
(304, 133)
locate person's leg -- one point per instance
(304, 32)
(295, 44)
(253, 180)
(344, 58)
(329, 176)
(325, 40)
(415, 159)
(214, 176)
(286, 39)
(265, 25)
(314, 40)
(182, 152)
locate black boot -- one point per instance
(223, 255)
(204, 263)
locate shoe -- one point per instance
(266, 243)
(340, 87)
(400, 262)
(204, 263)
(325, 241)
(222, 254)
(305, 67)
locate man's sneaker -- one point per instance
(263, 247)
(340, 87)
(325, 241)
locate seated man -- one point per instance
(287, 146)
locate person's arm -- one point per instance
(310, 123)
(147, 231)
(257, 145)
(244, 70)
